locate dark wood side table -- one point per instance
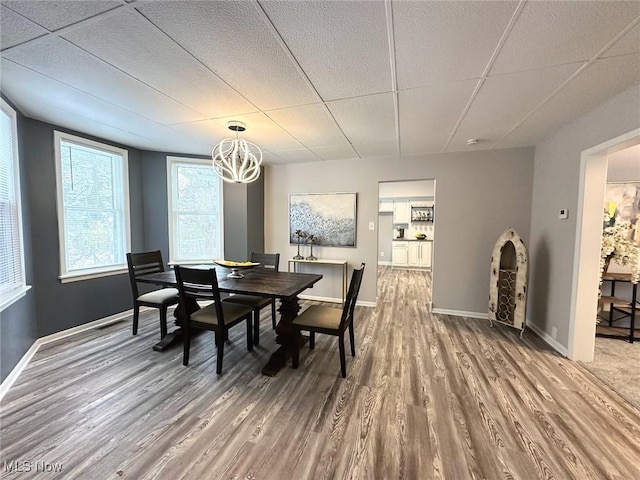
(619, 308)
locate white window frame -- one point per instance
(11, 294)
(65, 275)
(170, 194)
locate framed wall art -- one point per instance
(622, 203)
(329, 217)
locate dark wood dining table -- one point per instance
(256, 281)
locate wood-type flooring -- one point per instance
(426, 397)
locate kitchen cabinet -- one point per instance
(399, 254)
(419, 254)
(401, 211)
(385, 205)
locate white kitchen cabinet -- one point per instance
(419, 254)
(399, 254)
(401, 211)
(386, 205)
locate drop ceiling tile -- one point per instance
(341, 46)
(312, 125)
(446, 41)
(15, 29)
(156, 60)
(366, 119)
(233, 39)
(428, 115)
(377, 149)
(58, 59)
(598, 83)
(629, 43)
(43, 98)
(269, 158)
(554, 33)
(54, 15)
(298, 156)
(337, 152)
(504, 100)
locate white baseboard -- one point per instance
(380, 262)
(460, 313)
(26, 358)
(561, 349)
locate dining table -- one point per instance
(263, 282)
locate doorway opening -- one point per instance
(407, 216)
(593, 177)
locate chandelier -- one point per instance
(235, 160)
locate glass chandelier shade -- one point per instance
(235, 160)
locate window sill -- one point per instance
(12, 296)
(77, 277)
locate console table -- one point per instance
(622, 307)
(338, 263)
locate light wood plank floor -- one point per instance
(427, 396)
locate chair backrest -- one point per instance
(198, 283)
(141, 264)
(267, 260)
(352, 297)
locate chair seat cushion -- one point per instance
(321, 317)
(231, 312)
(250, 300)
(163, 296)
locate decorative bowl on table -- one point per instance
(235, 267)
(420, 236)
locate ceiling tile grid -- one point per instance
(317, 80)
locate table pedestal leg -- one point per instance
(287, 337)
(174, 337)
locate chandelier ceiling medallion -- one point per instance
(235, 160)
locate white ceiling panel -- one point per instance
(338, 152)
(629, 43)
(15, 29)
(377, 149)
(54, 15)
(329, 39)
(298, 156)
(156, 60)
(591, 88)
(57, 58)
(554, 33)
(233, 39)
(428, 115)
(503, 101)
(366, 119)
(446, 41)
(312, 125)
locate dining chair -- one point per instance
(219, 317)
(331, 321)
(141, 264)
(268, 261)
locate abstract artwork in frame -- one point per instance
(623, 199)
(331, 217)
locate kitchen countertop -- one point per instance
(407, 239)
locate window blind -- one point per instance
(11, 253)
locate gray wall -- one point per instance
(480, 194)
(18, 327)
(556, 184)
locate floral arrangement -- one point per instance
(617, 246)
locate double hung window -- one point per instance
(195, 210)
(93, 207)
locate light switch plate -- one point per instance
(372, 226)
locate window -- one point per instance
(12, 277)
(195, 210)
(93, 208)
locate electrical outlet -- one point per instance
(372, 226)
(382, 254)
(554, 333)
